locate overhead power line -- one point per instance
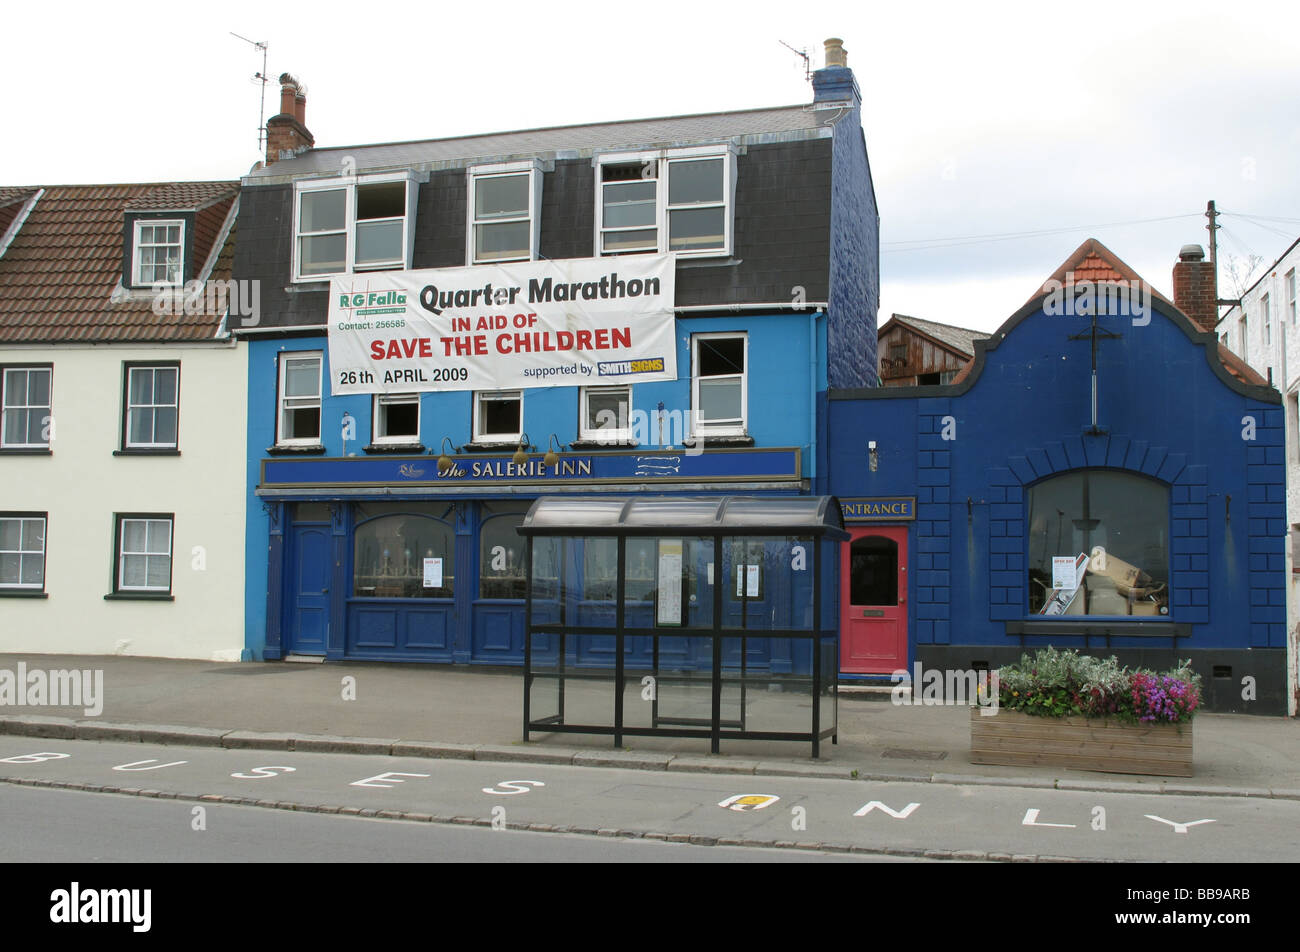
(929, 244)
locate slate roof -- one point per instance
(959, 339)
(751, 125)
(59, 274)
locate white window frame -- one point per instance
(23, 553)
(700, 428)
(138, 245)
(482, 437)
(280, 398)
(127, 443)
(1268, 320)
(477, 173)
(615, 434)
(7, 405)
(389, 399)
(1289, 286)
(350, 183)
(120, 575)
(663, 160)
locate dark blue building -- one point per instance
(381, 525)
(1100, 476)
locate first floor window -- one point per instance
(152, 406)
(25, 421)
(1120, 523)
(606, 414)
(22, 550)
(144, 553)
(397, 418)
(300, 396)
(498, 416)
(718, 384)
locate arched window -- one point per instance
(501, 551)
(404, 555)
(1120, 523)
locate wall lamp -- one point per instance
(553, 449)
(445, 462)
(873, 458)
(521, 454)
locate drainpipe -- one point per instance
(812, 394)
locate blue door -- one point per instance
(309, 603)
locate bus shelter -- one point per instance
(704, 617)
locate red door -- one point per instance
(873, 587)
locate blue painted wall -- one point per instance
(855, 239)
(786, 383)
(1171, 415)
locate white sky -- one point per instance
(981, 118)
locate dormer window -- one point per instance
(353, 224)
(159, 252)
(504, 212)
(679, 200)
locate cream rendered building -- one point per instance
(123, 417)
(1262, 329)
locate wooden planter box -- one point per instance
(1014, 739)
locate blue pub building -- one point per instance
(1102, 475)
(382, 521)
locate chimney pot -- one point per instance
(835, 53)
(1194, 288)
(300, 108)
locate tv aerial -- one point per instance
(261, 80)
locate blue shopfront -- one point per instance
(395, 558)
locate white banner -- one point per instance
(574, 322)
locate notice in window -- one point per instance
(747, 581)
(669, 611)
(433, 573)
(1064, 572)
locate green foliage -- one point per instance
(1056, 683)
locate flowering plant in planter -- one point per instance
(1056, 683)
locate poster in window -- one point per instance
(748, 581)
(1063, 572)
(669, 610)
(433, 573)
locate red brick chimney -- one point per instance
(286, 133)
(1194, 288)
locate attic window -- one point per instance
(679, 200)
(347, 225)
(159, 252)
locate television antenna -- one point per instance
(807, 62)
(261, 80)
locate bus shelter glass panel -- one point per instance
(646, 617)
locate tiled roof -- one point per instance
(753, 124)
(960, 339)
(182, 195)
(59, 274)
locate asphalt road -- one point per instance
(969, 821)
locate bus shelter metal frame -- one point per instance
(823, 522)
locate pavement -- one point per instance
(475, 713)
